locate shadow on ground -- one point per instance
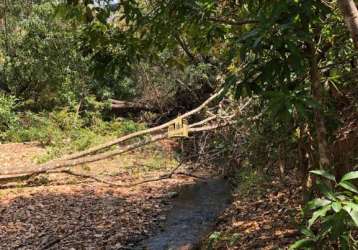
(83, 217)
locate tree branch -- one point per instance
(48, 167)
(185, 48)
(84, 157)
(233, 22)
(142, 132)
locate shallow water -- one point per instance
(193, 215)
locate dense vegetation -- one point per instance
(61, 62)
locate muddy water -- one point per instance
(193, 215)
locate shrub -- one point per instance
(61, 131)
(334, 216)
(8, 117)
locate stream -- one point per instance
(194, 213)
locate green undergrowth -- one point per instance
(67, 130)
(63, 131)
(249, 181)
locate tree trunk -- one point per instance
(317, 93)
(350, 14)
(126, 107)
(281, 159)
(320, 127)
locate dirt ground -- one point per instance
(14, 156)
(264, 218)
(64, 212)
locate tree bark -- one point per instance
(319, 124)
(350, 14)
(317, 92)
(124, 108)
(58, 164)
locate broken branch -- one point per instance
(142, 132)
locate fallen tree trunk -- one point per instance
(142, 132)
(53, 165)
(87, 157)
(80, 157)
(121, 139)
(126, 106)
(43, 168)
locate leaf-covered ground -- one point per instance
(81, 214)
(265, 217)
(65, 212)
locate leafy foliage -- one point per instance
(46, 63)
(64, 131)
(334, 215)
(8, 117)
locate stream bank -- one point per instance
(265, 216)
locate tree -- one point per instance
(282, 51)
(350, 13)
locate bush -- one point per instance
(8, 117)
(63, 131)
(33, 127)
(334, 216)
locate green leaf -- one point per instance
(342, 197)
(324, 174)
(330, 225)
(301, 243)
(344, 240)
(319, 213)
(313, 204)
(350, 176)
(352, 206)
(349, 186)
(353, 213)
(325, 189)
(336, 206)
(308, 232)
